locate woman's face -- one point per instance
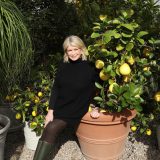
(74, 53)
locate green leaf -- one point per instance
(108, 69)
(98, 99)
(104, 50)
(91, 48)
(112, 73)
(157, 42)
(116, 21)
(128, 26)
(110, 81)
(140, 40)
(142, 130)
(107, 38)
(95, 35)
(119, 109)
(97, 24)
(138, 108)
(109, 34)
(126, 95)
(114, 54)
(126, 35)
(110, 103)
(117, 35)
(96, 28)
(142, 33)
(98, 85)
(112, 96)
(124, 13)
(129, 46)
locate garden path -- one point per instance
(66, 148)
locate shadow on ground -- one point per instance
(14, 145)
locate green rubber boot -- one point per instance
(37, 149)
(43, 150)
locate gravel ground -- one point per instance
(66, 148)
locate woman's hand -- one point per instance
(49, 117)
(95, 112)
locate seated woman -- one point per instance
(71, 94)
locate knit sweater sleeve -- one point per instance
(95, 79)
(54, 90)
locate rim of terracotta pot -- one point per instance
(108, 118)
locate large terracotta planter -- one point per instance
(104, 138)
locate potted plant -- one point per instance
(4, 126)
(127, 62)
(31, 104)
(16, 56)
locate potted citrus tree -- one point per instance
(126, 61)
(31, 105)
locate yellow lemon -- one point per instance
(103, 76)
(151, 116)
(131, 60)
(7, 98)
(102, 110)
(133, 128)
(125, 69)
(18, 116)
(89, 109)
(126, 78)
(46, 88)
(146, 68)
(40, 94)
(27, 104)
(148, 132)
(119, 47)
(33, 124)
(36, 100)
(34, 113)
(137, 96)
(146, 51)
(111, 87)
(157, 97)
(102, 17)
(99, 64)
(47, 109)
(47, 103)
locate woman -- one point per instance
(71, 94)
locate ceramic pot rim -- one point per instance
(110, 118)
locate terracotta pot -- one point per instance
(104, 138)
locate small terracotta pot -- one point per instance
(104, 138)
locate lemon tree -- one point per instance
(32, 102)
(126, 58)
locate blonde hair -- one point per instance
(74, 41)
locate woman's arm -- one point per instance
(49, 117)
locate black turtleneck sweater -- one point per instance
(73, 89)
